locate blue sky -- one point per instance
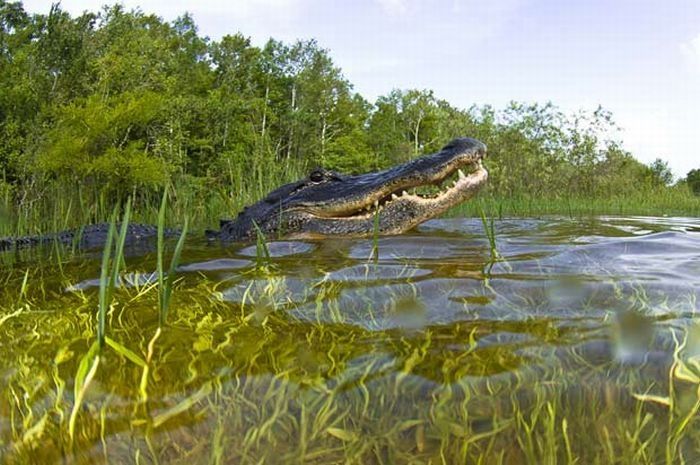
(638, 58)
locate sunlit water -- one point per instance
(576, 343)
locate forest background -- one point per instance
(115, 104)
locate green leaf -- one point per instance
(85, 373)
(343, 434)
(182, 406)
(126, 352)
(651, 398)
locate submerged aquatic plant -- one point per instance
(683, 405)
(321, 361)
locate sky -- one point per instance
(639, 59)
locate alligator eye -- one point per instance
(316, 176)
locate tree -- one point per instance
(693, 180)
(125, 101)
(661, 173)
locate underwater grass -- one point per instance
(252, 382)
(278, 407)
(360, 417)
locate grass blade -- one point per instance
(106, 284)
(170, 278)
(126, 352)
(83, 376)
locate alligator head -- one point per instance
(328, 203)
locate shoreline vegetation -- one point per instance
(120, 104)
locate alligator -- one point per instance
(327, 203)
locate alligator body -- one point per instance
(327, 203)
(88, 237)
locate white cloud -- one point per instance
(691, 52)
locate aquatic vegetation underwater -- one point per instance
(541, 341)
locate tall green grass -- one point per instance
(58, 206)
(262, 251)
(53, 206)
(166, 281)
(669, 202)
(490, 232)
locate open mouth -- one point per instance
(435, 191)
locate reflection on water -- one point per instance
(580, 344)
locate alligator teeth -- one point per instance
(461, 174)
(394, 197)
(404, 193)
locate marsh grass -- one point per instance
(262, 251)
(112, 262)
(55, 207)
(166, 281)
(490, 232)
(112, 265)
(374, 252)
(661, 203)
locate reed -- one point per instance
(56, 206)
(167, 280)
(374, 252)
(262, 251)
(490, 232)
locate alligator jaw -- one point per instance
(450, 193)
(400, 212)
(392, 215)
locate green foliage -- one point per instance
(661, 173)
(693, 180)
(347, 154)
(120, 103)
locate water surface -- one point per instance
(578, 343)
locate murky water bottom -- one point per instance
(577, 345)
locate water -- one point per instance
(579, 345)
